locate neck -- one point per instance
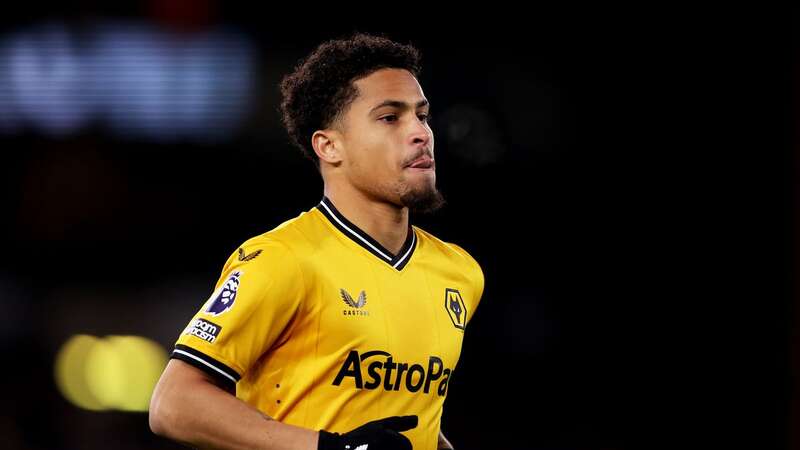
(385, 222)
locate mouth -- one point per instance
(424, 163)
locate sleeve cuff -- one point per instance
(207, 364)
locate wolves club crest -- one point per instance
(456, 308)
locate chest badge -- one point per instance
(356, 306)
(454, 304)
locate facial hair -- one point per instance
(422, 201)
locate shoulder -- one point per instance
(283, 245)
(295, 235)
(450, 251)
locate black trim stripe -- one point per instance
(207, 364)
(363, 239)
(405, 255)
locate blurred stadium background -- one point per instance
(625, 184)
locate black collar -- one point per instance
(361, 238)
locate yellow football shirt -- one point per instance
(319, 326)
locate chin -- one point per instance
(423, 201)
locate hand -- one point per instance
(383, 434)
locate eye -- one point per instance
(425, 117)
(392, 116)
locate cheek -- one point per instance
(385, 168)
(370, 166)
(373, 160)
(379, 161)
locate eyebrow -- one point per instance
(398, 104)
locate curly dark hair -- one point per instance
(321, 87)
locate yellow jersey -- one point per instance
(318, 325)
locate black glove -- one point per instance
(383, 434)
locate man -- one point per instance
(340, 328)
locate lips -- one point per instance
(421, 163)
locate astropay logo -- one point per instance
(385, 372)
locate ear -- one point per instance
(327, 145)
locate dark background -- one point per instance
(625, 178)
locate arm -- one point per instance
(189, 407)
(443, 444)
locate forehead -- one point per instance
(387, 84)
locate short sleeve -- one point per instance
(253, 304)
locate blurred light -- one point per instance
(44, 71)
(134, 79)
(70, 378)
(118, 372)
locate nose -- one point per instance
(421, 135)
